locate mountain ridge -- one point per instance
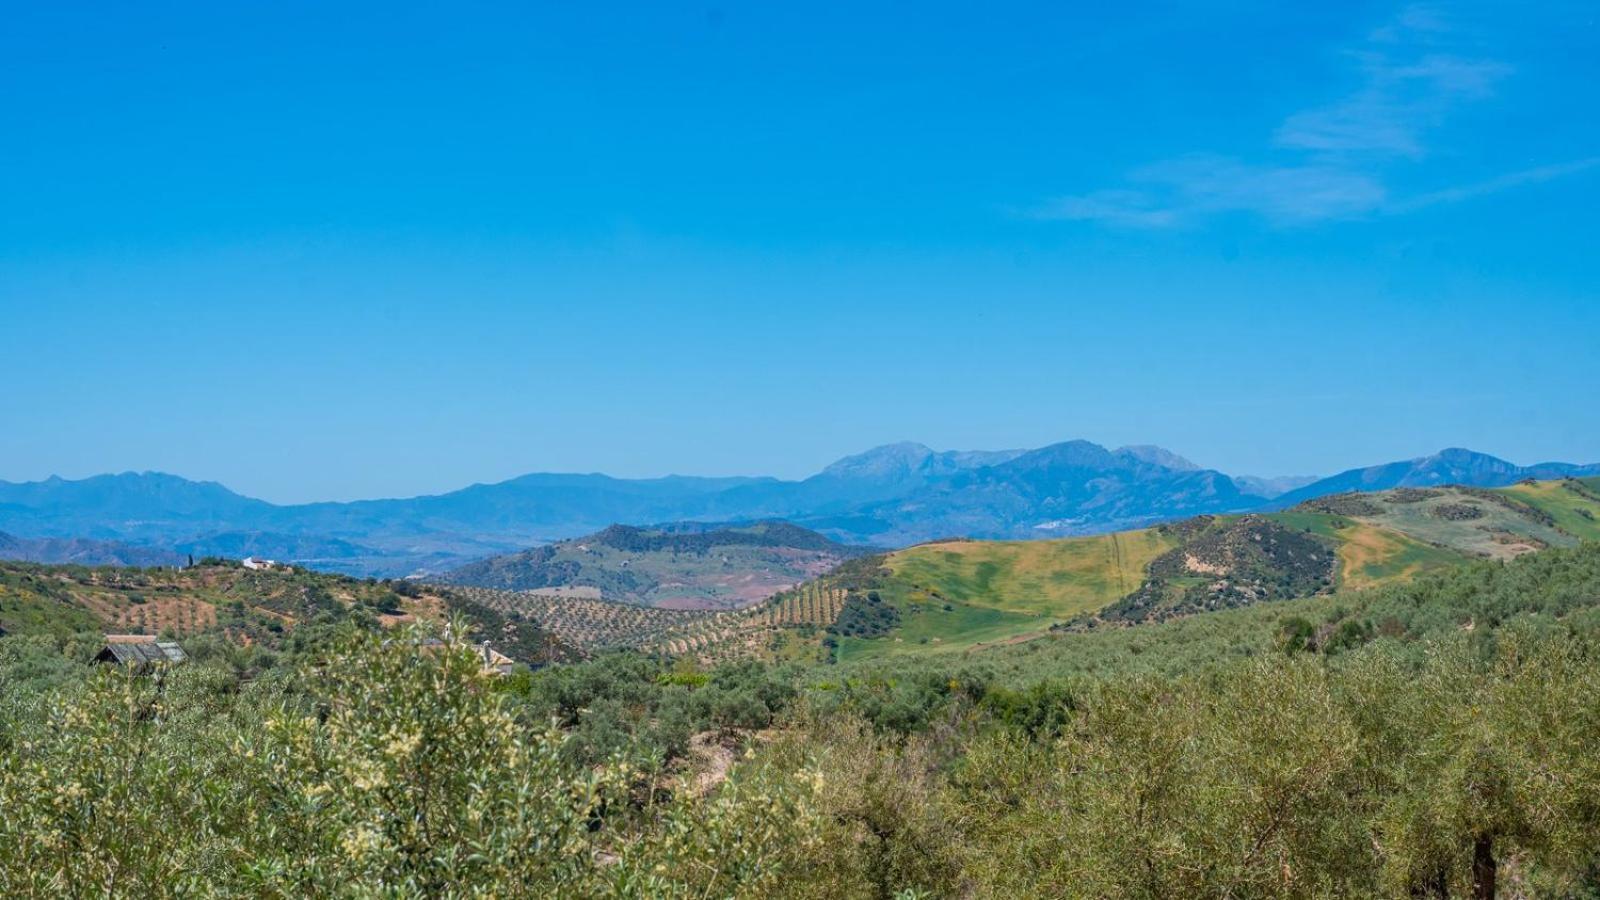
(891, 495)
(1452, 465)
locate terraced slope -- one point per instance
(687, 566)
(242, 605)
(960, 595)
(1222, 563)
(587, 623)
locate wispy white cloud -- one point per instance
(1329, 160)
(1118, 207)
(1286, 194)
(1396, 105)
(1494, 185)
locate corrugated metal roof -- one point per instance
(133, 649)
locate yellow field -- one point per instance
(1370, 556)
(1056, 578)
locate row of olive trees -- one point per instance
(1281, 777)
(385, 767)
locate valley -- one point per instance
(776, 591)
(956, 596)
(1344, 632)
(687, 566)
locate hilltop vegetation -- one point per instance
(957, 595)
(1449, 749)
(1223, 564)
(1384, 694)
(218, 602)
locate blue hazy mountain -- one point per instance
(1274, 486)
(890, 495)
(131, 506)
(84, 552)
(1076, 487)
(1451, 466)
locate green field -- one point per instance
(1478, 591)
(929, 628)
(963, 595)
(1058, 578)
(960, 594)
(1575, 507)
(1318, 523)
(1370, 556)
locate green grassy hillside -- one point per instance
(1398, 742)
(959, 595)
(1049, 578)
(1573, 504)
(1470, 599)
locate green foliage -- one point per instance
(385, 767)
(649, 708)
(1223, 563)
(1436, 738)
(865, 616)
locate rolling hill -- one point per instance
(682, 566)
(260, 608)
(958, 595)
(1451, 466)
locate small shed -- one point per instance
(139, 650)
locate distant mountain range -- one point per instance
(893, 495)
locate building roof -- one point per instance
(132, 649)
(493, 661)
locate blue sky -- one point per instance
(326, 251)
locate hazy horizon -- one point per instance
(757, 474)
